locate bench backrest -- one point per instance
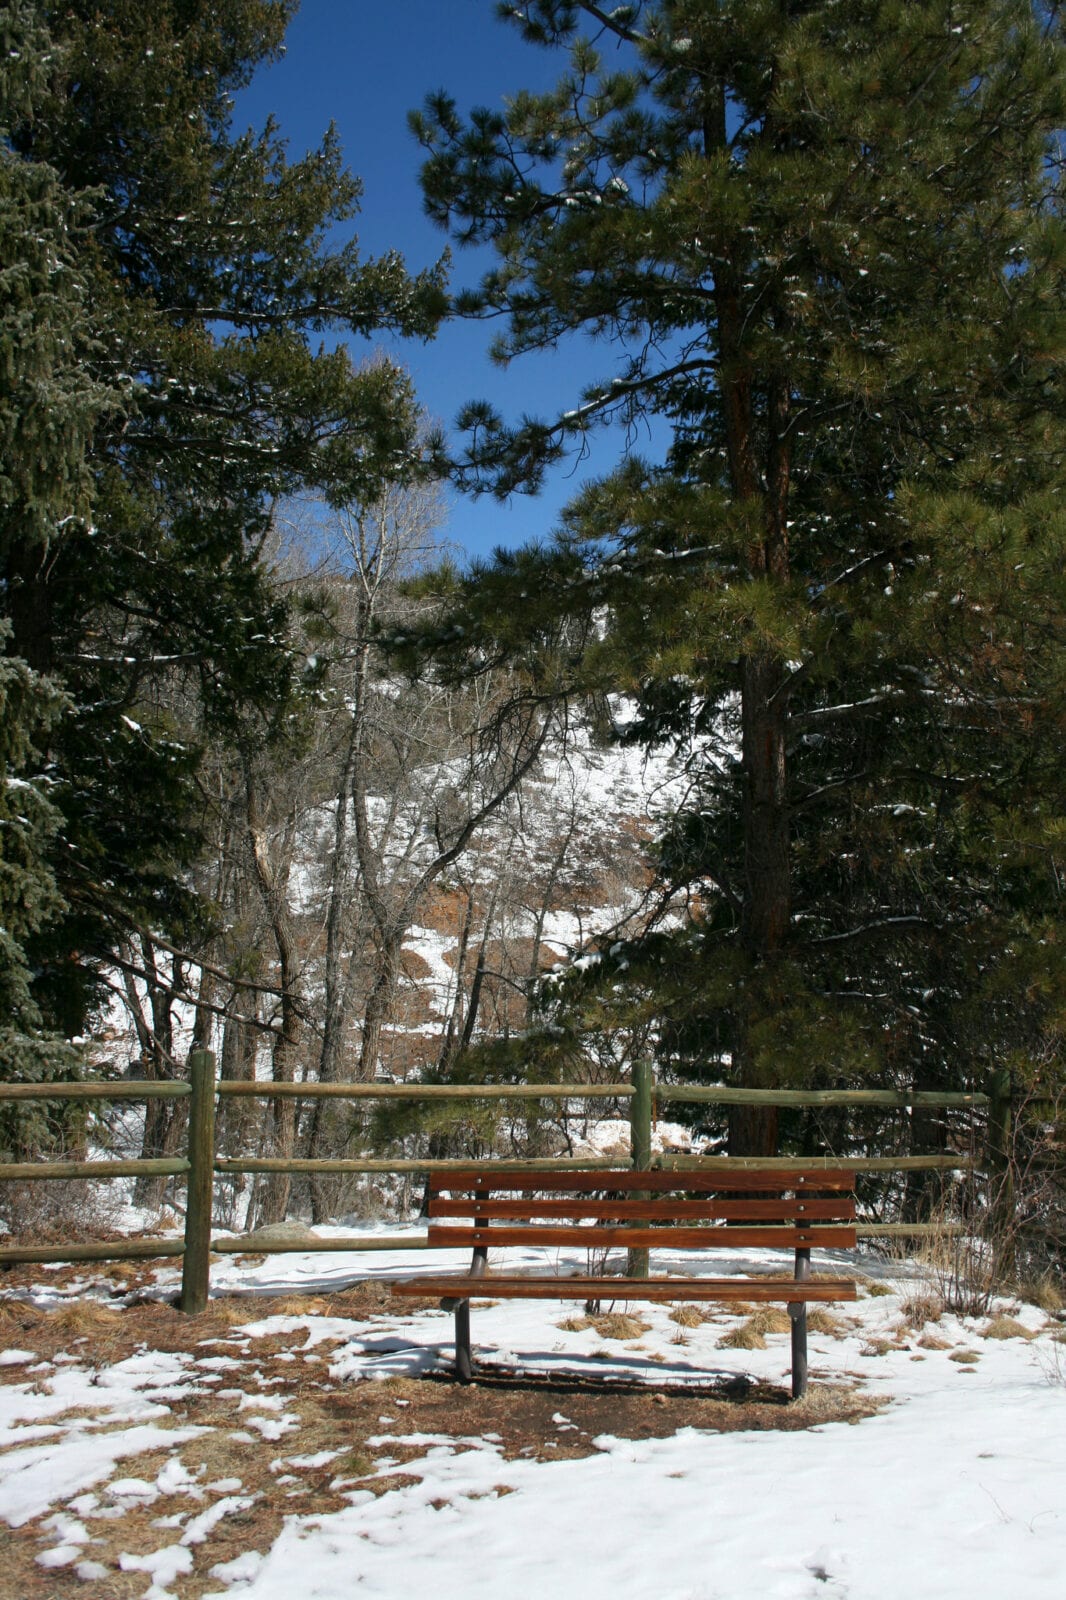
(788, 1208)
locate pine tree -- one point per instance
(210, 265)
(49, 405)
(827, 237)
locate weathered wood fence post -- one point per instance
(640, 1118)
(196, 1265)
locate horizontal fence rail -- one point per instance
(718, 1094)
(143, 1089)
(934, 1163)
(644, 1096)
(114, 1250)
(402, 1164)
(258, 1089)
(113, 1167)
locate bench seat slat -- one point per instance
(504, 1286)
(810, 1180)
(802, 1209)
(635, 1238)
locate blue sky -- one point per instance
(363, 65)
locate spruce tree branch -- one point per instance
(819, 714)
(912, 921)
(824, 789)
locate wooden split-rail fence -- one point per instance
(645, 1098)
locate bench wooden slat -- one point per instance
(634, 1238)
(811, 1180)
(756, 1290)
(803, 1208)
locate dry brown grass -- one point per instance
(771, 1319)
(611, 1325)
(86, 1317)
(688, 1316)
(1006, 1328)
(9, 1317)
(1045, 1293)
(821, 1321)
(829, 1402)
(874, 1289)
(751, 1334)
(930, 1341)
(965, 1358)
(233, 1313)
(922, 1307)
(296, 1305)
(620, 1325)
(746, 1337)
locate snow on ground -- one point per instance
(143, 1471)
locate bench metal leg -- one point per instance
(797, 1310)
(464, 1364)
(464, 1360)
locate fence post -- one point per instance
(640, 1112)
(196, 1266)
(1001, 1171)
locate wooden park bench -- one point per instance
(797, 1209)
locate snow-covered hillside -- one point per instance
(562, 860)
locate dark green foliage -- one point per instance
(828, 238)
(169, 276)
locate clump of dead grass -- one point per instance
(751, 1334)
(821, 1321)
(356, 1464)
(875, 1290)
(230, 1313)
(833, 1402)
(300, 1305)
(610, 1325)
(85, 1317)
(9, 1316)
(619, 1325)
(688, 1316)
(771, 1319)
(745, 1337)
(930, 1341)
(1006, 1328)
(965, 1358)
(1045, 1293)
(922, 1307)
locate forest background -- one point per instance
(260, 730)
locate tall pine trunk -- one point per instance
(759, 480)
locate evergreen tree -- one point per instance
(826, 233)
(49, 405)
(210, 264)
